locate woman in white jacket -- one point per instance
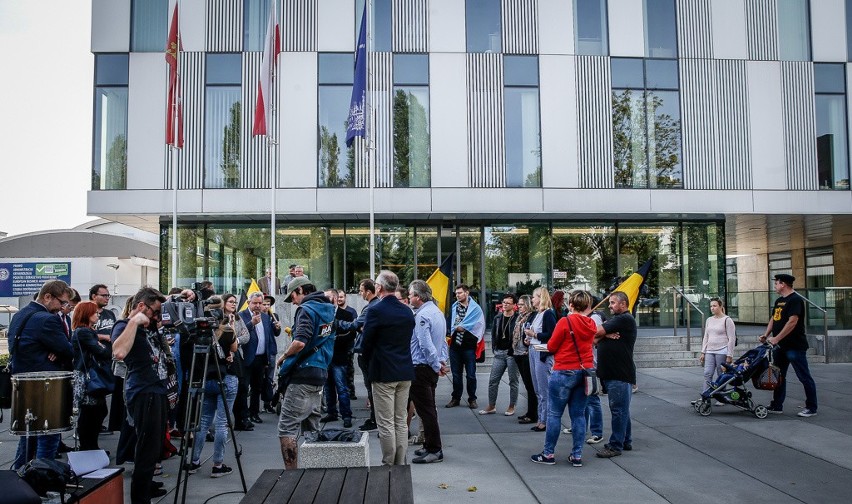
(719, 340)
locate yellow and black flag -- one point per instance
(440, 283)
(633, 285)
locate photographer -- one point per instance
(213, 411)
(259, 353)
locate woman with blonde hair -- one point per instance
(522, 359)
(538, 332)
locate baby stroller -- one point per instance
(730, 387)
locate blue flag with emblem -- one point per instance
(356, 124)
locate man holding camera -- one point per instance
(144, 352)
(259, 353)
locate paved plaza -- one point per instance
(678, 456)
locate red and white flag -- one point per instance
(271, 48)
(174, 108)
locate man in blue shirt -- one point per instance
(429, 356)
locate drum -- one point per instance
(45, 398)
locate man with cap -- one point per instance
(786, 329)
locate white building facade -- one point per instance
(560, 142)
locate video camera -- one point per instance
(192, 316)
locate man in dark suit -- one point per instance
(37, 342)
(259, 353)
(388, 327)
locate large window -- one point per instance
(523, 127)
(381, 24)
(646, 123)
(832, 144)
(109, 159)
(255, 19)
(336, 161)
(660, 29)
(794, 30)
(222, 121)
(848, 30)
(411, 120)
(483, 25)
(590, 27)
(148, 25)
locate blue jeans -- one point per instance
(566, 388)
(463, 359)
(594, 415)
(337, 389)
(540, 372)
(619, 393)
(213, 406)
(799, 360)
(45, 446)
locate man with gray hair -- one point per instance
(386, 345)
(258, 354)
(429, 356)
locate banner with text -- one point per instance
(25, 279)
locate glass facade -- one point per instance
(492, 258)
(381, 21)
(411, 162)
(660, 29)
(222, 119)
(590, 27)
(109, 157)
(255, 18)
(149, 21)
(334, 93)
(646, 123)
(832, 139)
(482, 18)
(794, 30)
(522, 134)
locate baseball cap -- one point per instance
(295, 284)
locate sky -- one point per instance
(46, 75)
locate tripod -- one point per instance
(194, 406)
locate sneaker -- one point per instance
(627, 447)
(429, 458)
(575, 461)
(347, 423)
(192, 467)
(774, 411)
(806, 413)
(566, 430)
(420, 452)
(414, 440)
(220, 471)
(608, 453)
(594, 439)
(542, 459)
(368, 425)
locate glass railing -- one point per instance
(754, 307)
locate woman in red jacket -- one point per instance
(571, 346)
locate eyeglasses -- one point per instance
(63, 303)
(107, 295)
(153, 311)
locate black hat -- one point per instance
(787, 279)
(269, 298)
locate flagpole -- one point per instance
(174, 147)
(369, 141)
(273, 168)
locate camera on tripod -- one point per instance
(192, 316)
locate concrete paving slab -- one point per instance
(802, 435)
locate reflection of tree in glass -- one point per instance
(231, 148)
(116, 165)
(410, 141)
(509, 252)
(329, 154)
(534, 178)
(634, 137)
(588, 257)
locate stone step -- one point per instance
(669, 355)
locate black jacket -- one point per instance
(388, 328)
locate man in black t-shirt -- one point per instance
(615, 340)
(136, 342)
(787, 329)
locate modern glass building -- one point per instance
(551, 142)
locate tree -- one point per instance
(231, 148)
(329, 158)
(410, 141)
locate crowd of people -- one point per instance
(558, 346)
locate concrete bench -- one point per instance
(329, 454)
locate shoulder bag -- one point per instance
(100, 380)
(590, 375)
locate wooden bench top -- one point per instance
(391, 484)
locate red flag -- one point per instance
(271, 48)
(174, 108)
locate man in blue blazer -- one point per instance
(388, 328)
(258, 354)
(37, 342)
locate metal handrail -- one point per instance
(677, 291)
(824, 325)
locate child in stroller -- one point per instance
(730, 387)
